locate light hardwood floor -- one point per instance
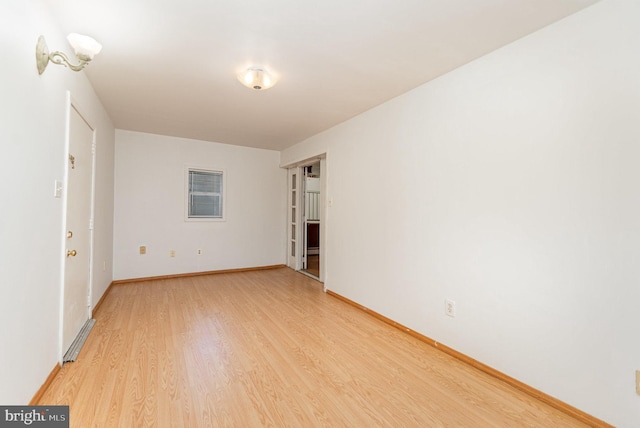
(269, 348)
(313, 265)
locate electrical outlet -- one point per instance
(450, 308)
(199, 252)
(172, 253)
(104, 265)
(143, 249)
(638, 382)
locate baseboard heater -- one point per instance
(78, 342)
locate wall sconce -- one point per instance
(84, 47)
(256, 78)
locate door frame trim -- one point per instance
(323, 214)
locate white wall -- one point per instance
(150, 198)
(32, 148)
(510, 186)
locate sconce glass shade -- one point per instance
(256, 78)
(84, 46)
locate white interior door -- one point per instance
(75, 308)
(293, 215)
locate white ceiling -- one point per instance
(169, 66)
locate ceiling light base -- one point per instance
(42, 55)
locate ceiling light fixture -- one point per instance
(84, 47)
(256, 78)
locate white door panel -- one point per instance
(75, 309)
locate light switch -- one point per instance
(57, 193)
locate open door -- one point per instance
(293, 248)
(79, 190)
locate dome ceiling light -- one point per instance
(256, 78)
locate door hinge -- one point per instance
(91, 224)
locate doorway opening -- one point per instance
(311, 220)
(306, 218)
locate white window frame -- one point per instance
(220, 171)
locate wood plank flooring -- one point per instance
(313, 265)
(269, 348)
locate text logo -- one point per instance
(34, 416)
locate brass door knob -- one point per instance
(71, 253)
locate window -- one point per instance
(205, 194)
